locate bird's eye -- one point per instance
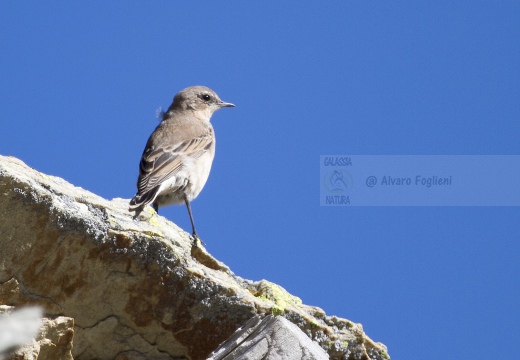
(206, 97)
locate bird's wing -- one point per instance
(162, 163)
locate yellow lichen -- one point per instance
(269, 291)
(154, 233)
(155, 222)
(46, 177)
(277, 310)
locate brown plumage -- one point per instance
(177, 158)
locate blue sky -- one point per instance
(80, 83)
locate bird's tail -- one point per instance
(139, 201)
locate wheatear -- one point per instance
(177, 158)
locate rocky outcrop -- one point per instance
(273, 337)
(136, 288)
(53, 340)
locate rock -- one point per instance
(273, 337)
(136, 288)
(53, 340)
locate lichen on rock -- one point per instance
(136, 288)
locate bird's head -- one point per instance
(199, 99)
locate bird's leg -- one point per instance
(194, 232)
(156, 207)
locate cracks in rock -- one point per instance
(26, 293)
(97, 323)
(127, 335)
(118, 273)
(147, 355)
(182, 330)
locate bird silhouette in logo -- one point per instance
(338, 181)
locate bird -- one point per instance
(177, 158)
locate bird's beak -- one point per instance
(225, 104)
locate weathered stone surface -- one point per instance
(53, 341)
(273, 337)
(136, 288)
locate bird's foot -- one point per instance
(196, 240)
(142, 214)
